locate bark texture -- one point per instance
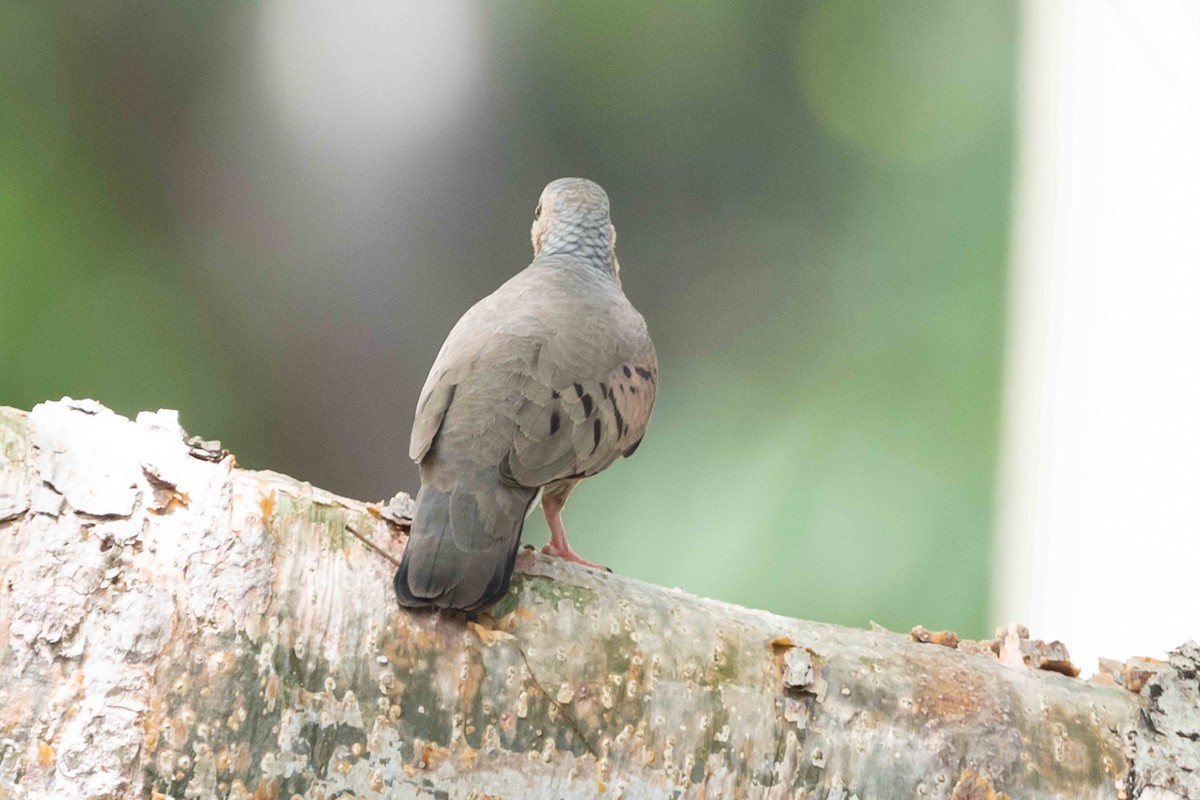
(171, 626)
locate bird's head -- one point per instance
(571, 218)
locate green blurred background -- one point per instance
(270, 216)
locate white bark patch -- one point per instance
(87, 454)
(99, 737)
(55, 575)
(226, 558)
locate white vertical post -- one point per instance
(1099, 498)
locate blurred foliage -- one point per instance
(95, 296)
(812, 201)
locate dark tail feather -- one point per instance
(452, 560)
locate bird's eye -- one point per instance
(537, 212)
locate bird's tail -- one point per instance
(462, 546)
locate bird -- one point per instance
(541, 384)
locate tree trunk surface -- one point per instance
(171, 626)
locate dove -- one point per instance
(544, 382)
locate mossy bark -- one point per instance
(171, 626)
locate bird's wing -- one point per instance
(454, 364)
(574, 425)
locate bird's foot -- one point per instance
(567, 554)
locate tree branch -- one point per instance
(171, 626)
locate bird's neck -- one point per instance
(592, 245)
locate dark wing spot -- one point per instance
(587, 404)
(554, 422)
(645, 373)
(595, 435)
(622, 388)
(578, 390)
(629, 452)
(554, 393)
(617, 414)
(604, 390)
(628, 374)
(633, 389)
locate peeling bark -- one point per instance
(171, 626)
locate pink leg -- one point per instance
(559, 546)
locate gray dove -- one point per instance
(541, 384)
